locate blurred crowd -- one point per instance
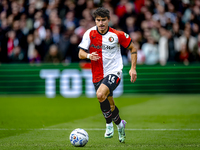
(43, 31)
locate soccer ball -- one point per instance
(79, 137)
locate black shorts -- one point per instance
(111, 81)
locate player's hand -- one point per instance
(133, 75)
(94, 56)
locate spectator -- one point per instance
(176, 32)
(136, 36)
(130, 25)
(146, 34)
(170, 14)
(196, 12)
(10, 21)
(64, 42)
(148, 19)
(4, 6)
(35, 57)
(30, 16)
(198, 48)
(11, 42)
(17, 55)
(70, 22)
(186, 11)
(138, 5)
(47, 42)
(15, 10)
(39, 25)
(54, 21)
(53, 55)
(120, 9)
(4, 25)
(80, 6)
(53, 17)
(31, 47)
(163, 47)
(72, 50)
(90, 4)
(155, 30)
(190, 42)
(141, 17)
(150, 50)
(39, 45)
(129, 12)
(0, 53)
(81, 29)
(150, 5)
(23, 25)
(195, 30)
(19, 34)
(3, 15)
(172, 53)
(87, 15)
(56, 34)
(160, 15)
(184, 54)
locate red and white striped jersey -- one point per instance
(107, 47)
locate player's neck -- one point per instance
(103, 31)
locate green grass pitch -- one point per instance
(154, 122)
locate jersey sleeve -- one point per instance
(85, 43)
(124, 39)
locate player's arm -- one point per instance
(84, 55)
(132, 71)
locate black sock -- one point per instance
(115, 116)
(105, 108)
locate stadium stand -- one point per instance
(163, 30)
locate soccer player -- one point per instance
(101, 44)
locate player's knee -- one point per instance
(100, 96)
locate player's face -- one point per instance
(102, 24)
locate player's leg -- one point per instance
(111, 101)
(117, 120)
(105, 89)
(112, 81)
(102, 94)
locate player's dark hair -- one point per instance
(102, 12)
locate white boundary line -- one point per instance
(96, 129)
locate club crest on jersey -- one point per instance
(111, 39)
(126, 35)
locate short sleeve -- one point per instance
(85, 43)
(124, 39)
